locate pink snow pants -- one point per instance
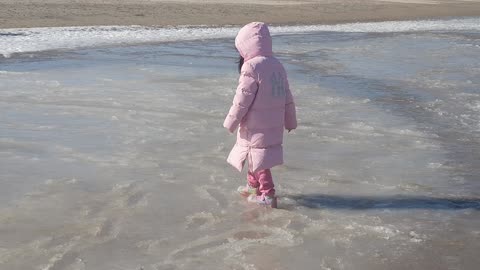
(263, 181)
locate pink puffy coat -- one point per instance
(263, 104)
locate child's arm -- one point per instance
(244, 96)
(290, 111)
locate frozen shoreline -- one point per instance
(114, 157)
(27, 40)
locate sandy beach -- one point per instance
(40, 13)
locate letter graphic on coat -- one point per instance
(278, 89)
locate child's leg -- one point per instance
(251, 188)
(252, 180)
(265, 180)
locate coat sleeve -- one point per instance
(290, 111)
(244, 96)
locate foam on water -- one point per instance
(18, 40)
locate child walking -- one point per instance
(262, 108)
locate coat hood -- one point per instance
(254, 40)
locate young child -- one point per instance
(263, 106)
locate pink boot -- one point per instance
(263, 200)
(247, 190)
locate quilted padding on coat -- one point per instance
(263, 105)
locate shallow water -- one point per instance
(114, 157)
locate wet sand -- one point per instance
(38, 13)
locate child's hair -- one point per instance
(240, 63)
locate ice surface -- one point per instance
(113, 157)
